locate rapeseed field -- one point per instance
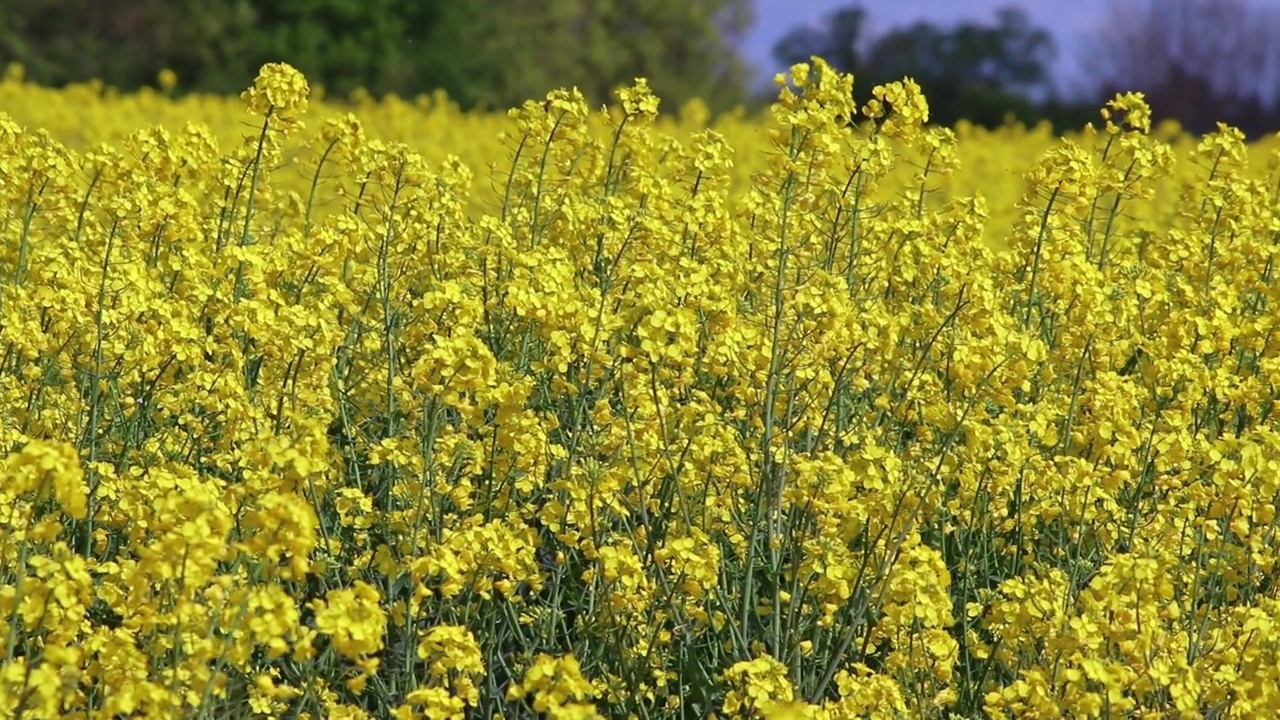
(386, 410)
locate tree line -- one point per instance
(1199, 61)
(493, 54)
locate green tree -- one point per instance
(505, 51)
(1198, 61)
(125, 43)
(347, 44)
(495, 54)
(980, 72)
(841, 41)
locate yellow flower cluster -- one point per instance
(387, 410)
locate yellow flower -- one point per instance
(280, 95)
(353, 619)
(638, 101)
(758, 687)
(167, 80)
(556, 688)
(41, 466)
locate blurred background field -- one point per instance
(440, 77)
(1198, 61)
(992, 160)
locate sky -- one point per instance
(1067, 20)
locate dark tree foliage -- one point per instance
(1200, 62)
(124, 43)
(840, 41)
(985, 73)
(496, 53)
